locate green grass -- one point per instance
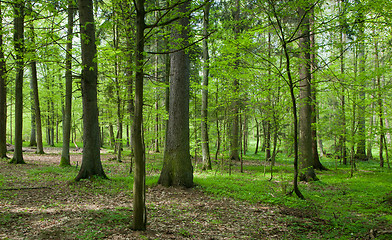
(336, 207)
(349, 207)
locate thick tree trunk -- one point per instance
(307, 172)
(65, 158)
(3, 94)
(19, 50)
(139, 192)
(91, 161)
(205, 147)
(177, 166)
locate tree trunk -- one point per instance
(129, 73)
(37, 108)
(33, 137)
(91, 161)
(19, 50)
(204, 100)
(380, 103)
(234, 147)
(342, 137)
(361, 146)
(157, 98)
(118, 92)
(295, 120)
(111, 136)
(257, 136)
(313, 94)
(305, 112)
(177, 166)
(245, 134)
(3, 94)
(65, 158)
(139, 192)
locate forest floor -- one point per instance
(39, 200)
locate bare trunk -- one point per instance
(65, 158)
(380, 104)
(305, 101)
(3, 94)
(234, 147)
(257, 136)
(139, 197)
(361, 145)
(19, 50)
(204, 102)
(177, 166)
(91, 161)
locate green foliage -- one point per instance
(337, 205)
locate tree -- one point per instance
(19, 50)
(234, 144)
(3, 94)
(65, 159)
(284, 41)
(91, 161)
(139, 213)
(305, 101)
(177, 167)
(34, 86)
(204, 107)
(361, 145)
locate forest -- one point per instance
(195, 119)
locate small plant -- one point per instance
(184, 232)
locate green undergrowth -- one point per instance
(338, 206)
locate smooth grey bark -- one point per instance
(205, 147)
(65, 158)
(139, 189)
(177, 166)
(91, 160)
(3, 94)
(19, 51)
(307, 172)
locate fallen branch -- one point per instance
(22, 188)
